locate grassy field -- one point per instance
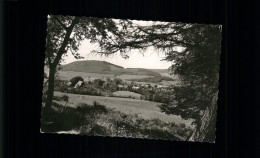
(127, 94)
(67, 75)
(142, 108)
(99, 120)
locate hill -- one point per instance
(103, 67)
(90, 66)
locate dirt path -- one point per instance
(144, 109)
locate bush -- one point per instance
(98, 130)
(65, 97)
(118, 81)
(99, 108)
(75, 80)
(63, 88)
(58, 120)
(86, 118)
(91, 109)
(98, 83)
(86, 90)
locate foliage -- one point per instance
(195, 61)
(162, 96)
(55, 120)
(65, 34)
(75, 80)
(86, 90)
(85, 119)
(108, 80)
(45, 75)
(118, 81)
(94, 109)
(153, 79)
(99, 83)
(198, 67)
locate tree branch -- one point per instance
(65, 41)
(61, 24)
(48, 53)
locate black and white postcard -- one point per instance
(130, 78)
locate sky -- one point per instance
(150, 59)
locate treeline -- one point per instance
(161, 96)
(153, 79)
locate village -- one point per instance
(115, 88)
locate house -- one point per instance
(135, 87)
(120, 87)
(162, 87)
(79, 84)
(147, 85)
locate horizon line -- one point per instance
(114, 64)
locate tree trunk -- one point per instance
(205, 131)
(56, 61)
(50, 90)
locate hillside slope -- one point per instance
(103, 67)
(90, 66)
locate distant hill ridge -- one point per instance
(103, 67)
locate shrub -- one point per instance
(91, 109)
(65, 97)
(63, 88)
(86, 117)
(75, 80)
(99, 83)
(118, 81)
(98, 130)
(58, 120)
(99, 108)
(83, 108)
(86, 90)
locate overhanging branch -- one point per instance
(61, 24)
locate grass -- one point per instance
(96, 119)
(67, 75)
(126, 94)
(62, 118)
(145, 109)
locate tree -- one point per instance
(108, 80)
(65, 33)
(99, 83)
(198, 68)
(196, 64)
(118, 81)
(75, 80)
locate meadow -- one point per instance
(142, 108)
(67, 75)
(103, 120)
